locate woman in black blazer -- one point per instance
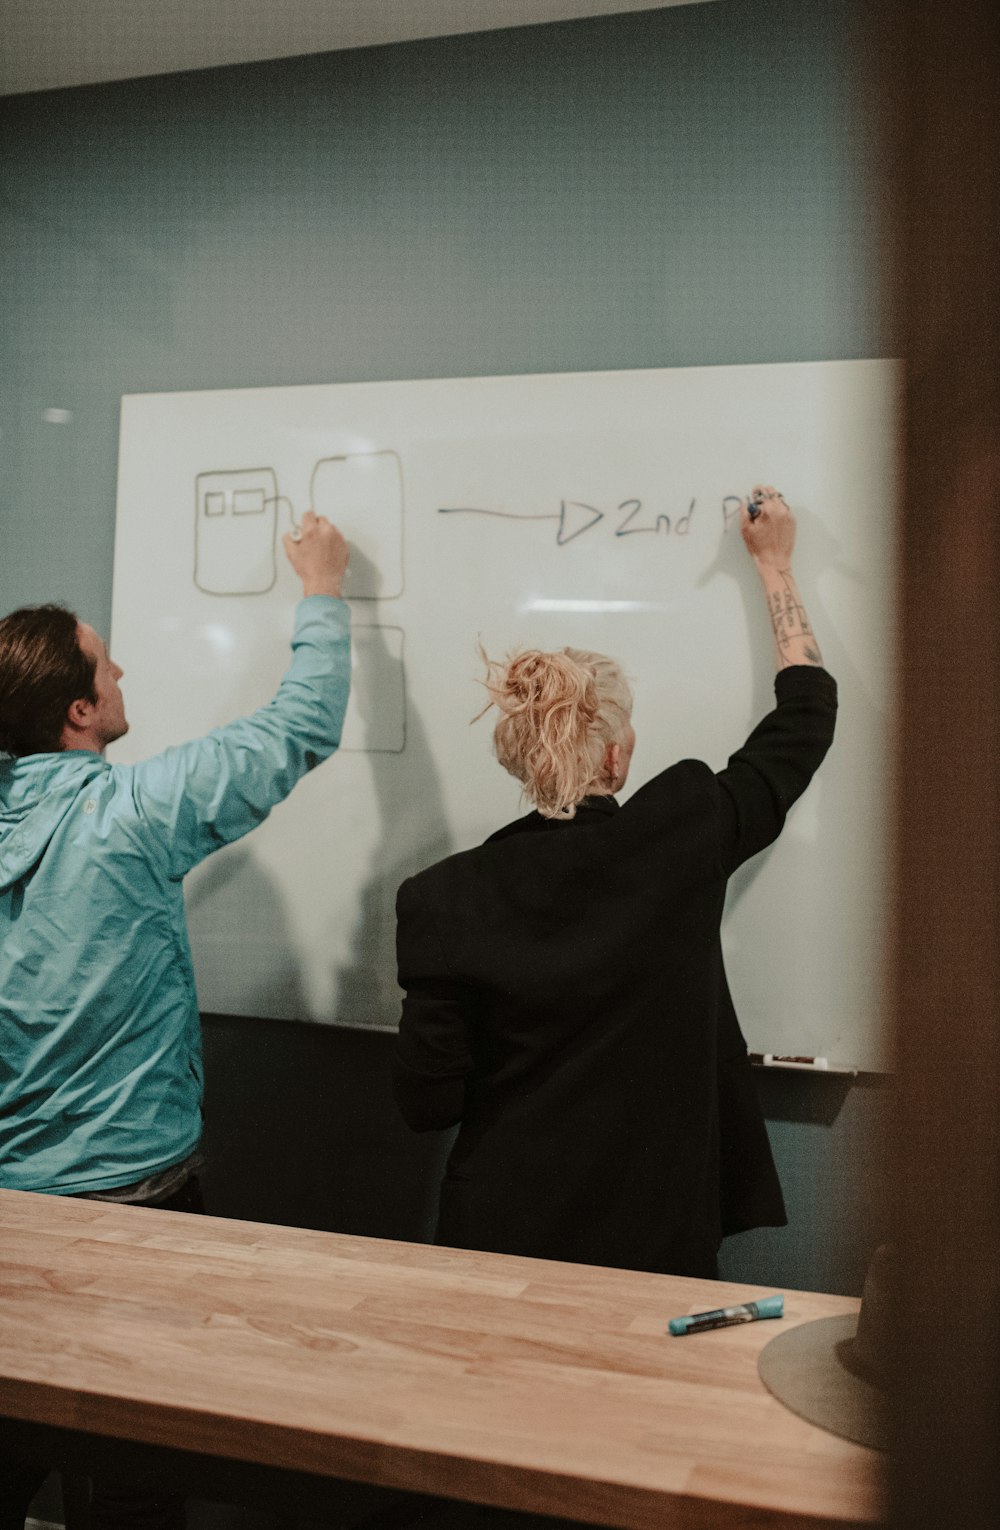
(565, 1000)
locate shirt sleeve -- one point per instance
(432, 1057)
(202, 795)
(777, 762)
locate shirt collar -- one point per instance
(599, 804)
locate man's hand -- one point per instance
(318, 554)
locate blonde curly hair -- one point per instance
(558, 714)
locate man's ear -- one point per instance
(78, 715)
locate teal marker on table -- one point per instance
(727, 1317)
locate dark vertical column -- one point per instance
(940, 70)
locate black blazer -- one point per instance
(566, 1002)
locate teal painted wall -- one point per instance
(670, 188)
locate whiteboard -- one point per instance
(591, 509)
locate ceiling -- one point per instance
(48, 44)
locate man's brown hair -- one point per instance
(43, 670)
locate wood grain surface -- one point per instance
(516, 1382)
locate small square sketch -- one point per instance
(236, 517)
(362, 494)
(376, 713)
(248, 501)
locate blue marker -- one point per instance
(727, 1317)
(753, 507)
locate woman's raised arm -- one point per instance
(768, 528)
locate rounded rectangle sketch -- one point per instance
(362, 493)
(376, 713)
(236, 515)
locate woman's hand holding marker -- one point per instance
(768, 528)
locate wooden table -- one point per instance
(546, 1387)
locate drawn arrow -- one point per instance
(573, 517)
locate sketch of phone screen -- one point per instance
(362, 493)
(236, 517)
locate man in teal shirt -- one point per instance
(100, 1037)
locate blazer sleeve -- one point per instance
(776, 763)
(432, 1058)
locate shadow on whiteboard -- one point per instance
(376, 713)
(265, 976)
(413, 832)
(269, 961)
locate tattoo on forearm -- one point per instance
(790, 624)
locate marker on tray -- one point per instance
(728, 1317)
(777, 1060)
